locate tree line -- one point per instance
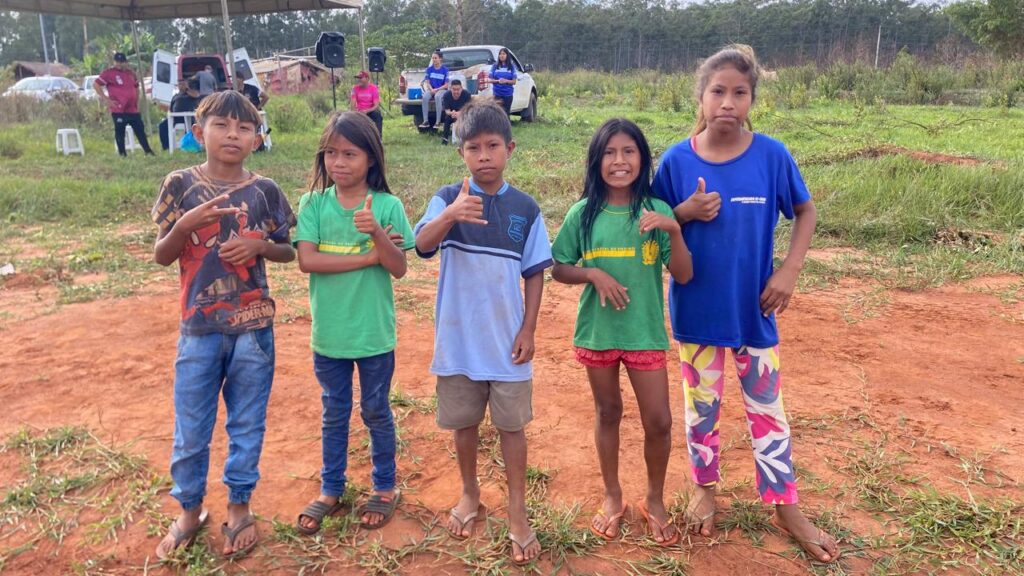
(566, 34)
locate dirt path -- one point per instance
(937, 373)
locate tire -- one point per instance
(417, 119)
(529, 114)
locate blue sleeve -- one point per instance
(791, 189)
(445, 68)
(537, 251)
(434, 209)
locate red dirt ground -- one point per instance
(936, 370)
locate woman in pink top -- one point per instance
(366, 99)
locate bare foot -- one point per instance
(236, 514)
(312, 524)
(815, 541)
(187, 521)
(662, 529)
(468, 504)
(608, 522)
(700, 512)
(374, 518)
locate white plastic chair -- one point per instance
(178, 133)
(129, 141)
(69, 141)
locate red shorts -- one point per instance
(635, 359)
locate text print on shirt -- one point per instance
(749, 199)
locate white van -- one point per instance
(169, 69)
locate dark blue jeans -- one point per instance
(241, 366)
(335, 376)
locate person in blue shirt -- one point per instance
(728, 185)
(504, 77)
(435, 85)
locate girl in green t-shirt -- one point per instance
(615, 240)
(346, 246)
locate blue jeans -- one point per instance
(242, 367)
(335, 376)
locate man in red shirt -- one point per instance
(366, 99)
(122, 99)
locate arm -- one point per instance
(608, 288)
(312, 260)
(391, 257)
(101, 93)
(523, 346)
(700, 205)
(680, 264)
(466, 208)
(263, 98)
(171, 241)
(779, 290)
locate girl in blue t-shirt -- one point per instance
(503, 76)
(616, 240)
(728, 185)
(345, 246)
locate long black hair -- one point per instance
(595, 191)
(508, 60)
(358, 129)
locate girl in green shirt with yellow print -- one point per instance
(352, 236)
(615, 240)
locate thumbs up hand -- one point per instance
(364, 220)
(466, 208)
(700, 205)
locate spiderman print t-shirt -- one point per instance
(217, 296)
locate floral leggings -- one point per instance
(703, 381)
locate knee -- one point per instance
(609, 414)
(659, 426)
(375, 416)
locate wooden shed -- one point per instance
(283, 75)
(30, 69)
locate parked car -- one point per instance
(88, 91)
(169, 69)
(471, 64)
(43, 88)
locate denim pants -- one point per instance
(335, 376)
(241, 366)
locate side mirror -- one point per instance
(527, 67)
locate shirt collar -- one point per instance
(473, 186)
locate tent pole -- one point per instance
(227, 42)
(362, 40)
(142, 80)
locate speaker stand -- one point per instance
(334, 90)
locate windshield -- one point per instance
(33, 84)
(459, 59)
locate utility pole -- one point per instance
(85, 37)
(878, 44)
(46, 52)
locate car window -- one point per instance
(460, 59)
(65, 84)
(32, 84)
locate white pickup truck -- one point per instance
(471, 64)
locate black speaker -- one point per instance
(330, 49)
(376, 58)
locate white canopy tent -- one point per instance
(135, 10)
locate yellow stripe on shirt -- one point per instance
(610, 253)
(341, 248)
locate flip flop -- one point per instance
(819, 542)
(609, 520)
(652, 523)
(470, 520)
(184, 538)
(692, 520)
(232, 533)
(522, 546)
(381, 505)
(317, 511)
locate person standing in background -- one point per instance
(122, 99)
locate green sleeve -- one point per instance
(567, 248)
(308, 227)
(400, 223)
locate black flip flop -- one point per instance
(232, 533)
(381, 505)
(184, 538)
(317, 511)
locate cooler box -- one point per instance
(415, 93)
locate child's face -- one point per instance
(620, 165)
(227, 140)
(486, 156)
(346, 163)
(727, 99)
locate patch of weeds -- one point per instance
(659, 565)
(558, 535)
(811, 480)
(399, 399)
(537, 480)
(750, 517)
(305, 554)
(875, 471)
(71, 474)
(196, 560)
(379, 560)
(866, 304)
